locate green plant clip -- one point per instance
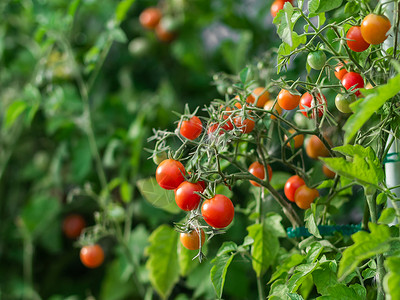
(324, 230)
(392, 158)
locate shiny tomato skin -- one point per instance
(355, 41)
(170, 174)
(288, 101)
(340, 71)
(185, 196)
(73, 225)
(315, 148)
(191, 241)
(307, 102)
(260, 94)
(374, 28)
(353, 81)
(269, 105)
(190, 129)
(218, 211)
(92, 256)
(277, 5)
(245, 126)
(257, 169)
(291, 185)
(150, 17)
(304, 196)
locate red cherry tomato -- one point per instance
(288, 101)
(340, 71)
(218, 211)
(308, 105)
(304, 196)
(328, 172)
(191, 128)
(257, 169)
(355, 40)
(246, 125)
(291, 185)
(150, 17)
(73, 225)
(92, 256)
(277, 6)
(191, 239)
(353, 81)
(170, 174)
(374, 28)
(316, 148)
(185, 196)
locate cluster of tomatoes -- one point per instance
(92, 256)
(152, 18)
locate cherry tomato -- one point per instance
(92, 256)
(315, 148)
(355, 41)
(191, 241)
(164, 35)
(245, 126)
(374, 28)
(353, 81)
(73, 225)
(213, 128)
(218, 211)
(277, 5)
(340, 71)
(288, 101)
(185, 196)
(259, 95)
(291, 185)
(269, 105)
(304, 196)
(150, 17)
(190, 129)
(170, 174)
(328, 173)
(343, 103)
(297, 141)
(257, 169)
(308, 105)
(225, 116)
(316, 59)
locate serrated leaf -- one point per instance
(285, 21)
(219, 270)
(324, 278)
(311, 224)
(391, 281)
(279, 290)
(163, 265)
(365, 245)
(364, 108)
(287, 264)
(343, 292)
(264, 249)
(319, 6)
(273, 222)
(300, 275)
(285, 49)
(388, 215)
(14, 111)
(156, 195)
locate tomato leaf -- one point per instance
(391, 281)
(365, 246)
(285, 21)
(186, 262)
(157, 196)
(311, 224)
(286, 265)
(325, 277)
(285, 49)
(122, 10)
(319, 6)
(388, 215)
(14, 111)
(279, 290)
(300, 274)
(163, 262)
(365, 108)
(341, 291)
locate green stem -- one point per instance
(260, 288)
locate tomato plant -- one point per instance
(355, 41)
(186, 197)
(374, 28)
(170, 174)
(218, 211)
(316, 59)
(308, 104)
(191, 240)
(291, 185)
(190, 129)
(287, 100)
(304, 196)
(258, 170)
(73, 225)
(92, 256)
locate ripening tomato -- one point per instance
(227, 124)
(297, 141)
(191, 240)
(340, 71)
(73, 225)
(277, 5)
(245, 126)
(92, 256)
(343, 103)
(259, 96)
(355, 41)
(190, 129)
(315, 148)
(164, 35)
(291, 185)
(288, 101)
(269, 106)
(328, 172)
(186, 197)
(213, 128)
(304, 196)
(150, 17)
(170, 174)
(218, 211)
(353, 81)
(257, 169)
(374, 28)
(308, 105)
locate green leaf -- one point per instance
(244, 74)
(220, 268)
(81, 159)
(300, 275)
(391, 281)
(295, 296)
(156, 195)
(364, 108)
(73, 7)
(122, 10)
(285, 49)
(319, 6)
(273, 222)
(279, 290)
(388, 215)
(163, 262)
(362, 166)
(311, 224)
(186, 262)
(287, 264)
(125, 190)
(285, 21)
(324, 277)
(365, 245)
(343, 292)
(14, 111)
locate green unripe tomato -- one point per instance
(159, 157)
(343, 103)
(316, 59)
(139, 46)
